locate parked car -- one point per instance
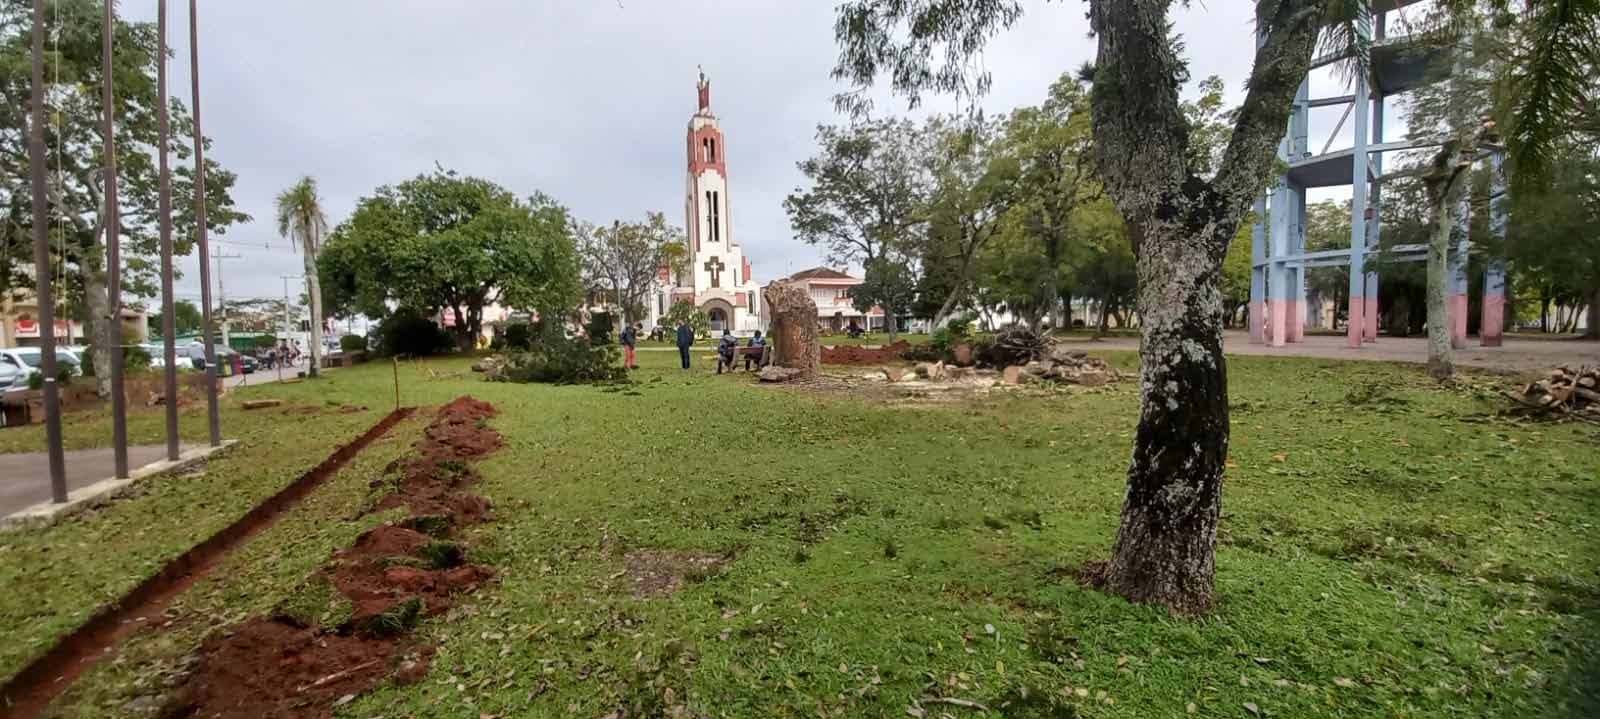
(19, 363)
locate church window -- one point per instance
(711, 149)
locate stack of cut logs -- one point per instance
(1564, 392)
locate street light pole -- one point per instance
(113, 333)
(169, 324)
(212, 411)
(41, 265)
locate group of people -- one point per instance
(727, 347)
(287, 353)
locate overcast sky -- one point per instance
(586, 100)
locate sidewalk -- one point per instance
(27, 475)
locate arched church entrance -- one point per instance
(721, 315)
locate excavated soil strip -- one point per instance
(280, 666)
(32, 689)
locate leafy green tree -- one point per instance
(685, 311)
(1328, 228)
(1555, 235)
(868, 189)
(441, 241)
(886, 282)
(74, 142)
(185, 317)
(302, 222)
(625, 259)
(1052, 144)
(974, 184)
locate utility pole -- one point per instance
(222, 296)
(287, 327)
(113, 224)
(169, 324)
(213, 415)
(41, 265)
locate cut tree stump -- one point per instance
(793, 332)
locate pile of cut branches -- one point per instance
(1564, 394)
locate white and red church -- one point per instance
(718, 280)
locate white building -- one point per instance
(830, 289)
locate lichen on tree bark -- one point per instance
(1181, 225)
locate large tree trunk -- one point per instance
(314, 290)
(1593, 332)
(1166, 542)
(1181, 226)
(100, 332)
(793, 332)
(1440, 356)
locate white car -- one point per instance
(19, 363)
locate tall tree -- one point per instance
(625, 259)
(868, 187)
(446, 242)
(1180, 220)
(74, 143)
(1052, 144)
(301, 220)
(185, 317)
(974, 184)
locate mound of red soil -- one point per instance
(276, 668)
(369, 576)
(852, 355)
(459, 431)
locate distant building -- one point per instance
(830, 289)
(19, 322)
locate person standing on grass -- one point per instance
(685, 339)
(629, 336)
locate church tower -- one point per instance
(719, 276)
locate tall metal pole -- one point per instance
(213, 418)
(41, 265)
(169, 324)
(113, 334)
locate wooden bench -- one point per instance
(747, 353)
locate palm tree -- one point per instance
(301, 220)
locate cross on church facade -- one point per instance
(715, 267)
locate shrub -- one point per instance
(958, 330)
(352, 343)
(559, 359)
(519, 336)
(407, 332)
(134, 359)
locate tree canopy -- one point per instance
(441, 241)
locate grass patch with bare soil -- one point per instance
(1387, 548)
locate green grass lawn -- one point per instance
(1386, 550)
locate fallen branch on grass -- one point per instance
(336, 676)
(953, 701)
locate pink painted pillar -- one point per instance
(1357, 323)
(1277, 323)
(1370, 316)
(1297, 319)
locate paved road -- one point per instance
(25, 476)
